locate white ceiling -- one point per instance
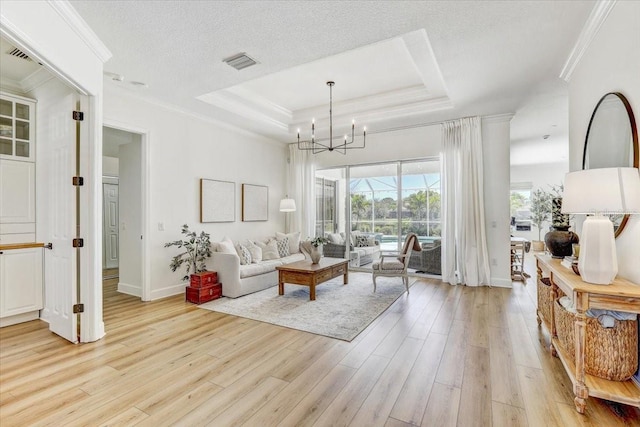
(395, 63)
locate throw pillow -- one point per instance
(254, 250)
(226, 246)
(336, 238)
(269, 250)
(283, 247)
(244, 254)
(294, 241)
(362, 241)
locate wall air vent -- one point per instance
(240, 61)
(18, 54)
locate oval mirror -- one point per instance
(612, 140)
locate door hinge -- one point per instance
(78, 116)
(78, 181)
(78, 308)
(78, 243)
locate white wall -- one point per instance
(541, 176)
(610, 64)
(495, 156)
(130, 219)
(182, 149)
(424, 142)
(109, 166)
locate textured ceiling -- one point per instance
(494, 56)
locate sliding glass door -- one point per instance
(384, 201)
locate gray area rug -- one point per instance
(339, 311)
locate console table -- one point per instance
(621, 295)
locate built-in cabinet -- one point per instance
(21, 282)
(17, 170)
(21, 294)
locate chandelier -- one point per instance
(315, 146)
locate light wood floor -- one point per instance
(441, 356)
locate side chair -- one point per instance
(396, 265)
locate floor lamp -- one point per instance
(287, 205)
(598, 192)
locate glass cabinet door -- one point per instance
(16, 128)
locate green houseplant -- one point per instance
(196, 249)
(540, 213)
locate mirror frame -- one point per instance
(634, 142)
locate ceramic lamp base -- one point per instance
(598, 262)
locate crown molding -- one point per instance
(497, 118)
(81, 28)
(35, 80)
(591, 27)
(118, 91)
(242, 107)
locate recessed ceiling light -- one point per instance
(139, 84)
(546, 136)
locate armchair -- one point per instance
(428, 260)
(396, 265)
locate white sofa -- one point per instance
(238, 280)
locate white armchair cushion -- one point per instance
(391, 264)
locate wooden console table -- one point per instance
(621, 295)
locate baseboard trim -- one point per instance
(169, 291)
(19, 318)
(501, 283)
(128, 289)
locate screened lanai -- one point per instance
(387, 201)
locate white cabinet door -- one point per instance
(17, 192)
(20, 281)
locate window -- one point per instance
(520, 204)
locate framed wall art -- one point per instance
(217, 201)
(255, 202)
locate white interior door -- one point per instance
(57, 158)
(110, 225)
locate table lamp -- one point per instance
(599, 192)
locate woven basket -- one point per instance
(611, 353)
(545, 300)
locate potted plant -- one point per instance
(196, 249)
(313, 248)
(540, 213)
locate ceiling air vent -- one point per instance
(240, 61)
(18, 54)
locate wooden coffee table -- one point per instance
(307, 274)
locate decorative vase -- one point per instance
(560, 242)
(315, 254)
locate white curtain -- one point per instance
(465, 258)
(301, 186)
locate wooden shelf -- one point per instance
(619, 391)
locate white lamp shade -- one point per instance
(604, 190)
(600, 191)
(287, 205)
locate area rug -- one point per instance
(339, 311)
